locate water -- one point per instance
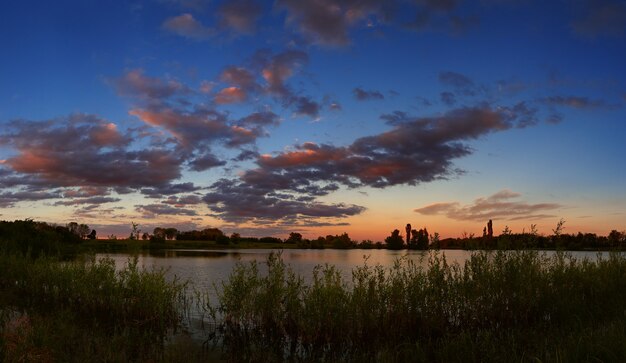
(207, 268)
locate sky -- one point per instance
(314, 116)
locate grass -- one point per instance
(499, 306)
(85, 310)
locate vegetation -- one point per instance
(79, 310)
(499, 306)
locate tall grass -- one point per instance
(84, 310)
(499, 306)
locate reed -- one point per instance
(85, 309)
(499, 306)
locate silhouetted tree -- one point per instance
(408, 233)
(170, 233)
(158, 233)
(145, 236)
(134, 233)
(419, 239)
(235, 237)
(92, 235)
(395, 241)
(294, 237)
(83, 230)
(490, 229)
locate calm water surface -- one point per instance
(204, 268)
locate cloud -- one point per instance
(327, 22)
(235, 201)
(363, 95)
(205, 162)
(267, 75)
(415, 150)
(601, 18)
(304, 106)
(182, 201)
(135, 84)
(276, 69)
(169, 189)
(240, 15)
(499, 206)
(574, 102)
(448, 98)
(84, 151)
(91, 200)
(194, 129)
(459, 83)
(151, 210)
(230, 95)
(187, 26)
(441, 16)
(9, 198)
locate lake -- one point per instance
(204, 268)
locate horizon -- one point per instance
(317, 117)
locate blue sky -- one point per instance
(319, 116)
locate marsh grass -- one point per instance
(499, 306)
(85, 310)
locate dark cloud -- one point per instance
(92, 200)
(86, 192)
(239, 15)
(84, 151)
(150, 210)
(246, 155)
(10, 198)
(205, 162)
(441, 15)
(601, 18)
(276, 69)
(448, 98)
(182, 201)
(416, 150)
(363, 95)
(169, 189)
(328, 22)
(574, 102)
(396, 118)
(135, 84)
(187, 26)
(501, 205)
(306, 107)
(236, 201)
(459, 83)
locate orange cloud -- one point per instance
(230, 95)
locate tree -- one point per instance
(158, 234)
(134, 234)
(83, 230)
(394, 241)
(294, 237)
(235, 237)
(170, 233)
(73, 227)
(92, 235)
(145, 236)
(419, 239)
